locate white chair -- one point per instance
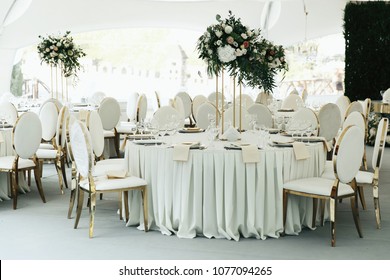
(53, 100)
(26, 137)
(263, 115)
(57, 154)
(366, 104)
(157, 99)
(131, 106)
(264, 98)
(178, 104)
(343, 103)
(202, 115)
(196, 102)
(246, 100)
(9, 112)
(234, 117)
(306, 117)
(83, 156)
(187, 104)
(110, 113)
(292, 101)
(48, 115)
(96, 98)
(346, 161)
(329, 118)
(354, 106)
(142, 108)
(166, 115)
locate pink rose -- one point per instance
(230, 40)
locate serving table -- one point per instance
(215, 194)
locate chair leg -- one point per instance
(322, 211)
(71, 202)
(14, 186)
(120, 199)
(58, 168)
(116, 139)
(332, 209)
(355, 213)
(313, 218)
(37, 176)
(285, 199)
(29, 178)
(144, 194)
(80, 201)
(92, 215)
(375, 194)
(364, 163)
(360, 190)
(126, 204)
(62, 162)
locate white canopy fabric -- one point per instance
(43, 17)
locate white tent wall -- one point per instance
(52, 16)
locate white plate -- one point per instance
(148, 142)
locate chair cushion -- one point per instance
(104, 184)
(317, 186)
(364, 177)
(8, 161)
(46, 154)
(46, 146)
(108, 133)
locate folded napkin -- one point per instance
(231, 134)
(300, 151)
(116, 174)
(1, 138)
(250, 153)
(181, 151)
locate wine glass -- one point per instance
(212, 133)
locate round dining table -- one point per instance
(214, 193)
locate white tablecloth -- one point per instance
(215, 194)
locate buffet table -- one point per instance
(214, 193)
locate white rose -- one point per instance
(244, 51)
(61, 56)
(244, 36)
(249, 32)
(226, 54)
(58, 44)
(218, 33)
(219, 42)
(206, 40)
(257, 32)
(238, 52)
(210, 52)
(47, 50)
(228, 29)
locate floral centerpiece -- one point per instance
(61, 51)
(242, 51)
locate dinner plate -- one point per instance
(233, 146)
(273, 130)
(148, 142)
(308, 139)
(191, 130)
(6, 125)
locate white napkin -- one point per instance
(1, 138)
(250, 154)
(300, 150)
(231, 134)
(181, 151)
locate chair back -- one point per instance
(95, 127)
(263, 98)
(292, 101)
(158, 101)
(329, 118)
(354, 106)
(142, 108)
(202, 115)
(262, 113)
(61, 127)
(68, 124)
(178, 104)
(306, 115)
(81, 148)
(187, 103)
(109, 112)
(27, 135)
(53, 100)
(8, 110)
(131, 106)
(348, 153)
(229, 113)
(246, 100)
(196, 102)
(355, 118)
(343, 103)
(366, 107)
(48, 116)
(380, 141)
(165, 115)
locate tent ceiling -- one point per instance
(53, 16)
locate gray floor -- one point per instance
(42, 232)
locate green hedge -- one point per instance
(367, 49)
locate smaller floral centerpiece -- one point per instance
(61, 51)
(242, 51)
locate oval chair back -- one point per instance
(263, 115)
(27, 135)
(49, 117)
(329, 118)
(95, 127)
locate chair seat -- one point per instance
(317, 186)
(46, 154)
(104, 184)
(108, 134)
(47, 146)
(8, 161)
(364, 177)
